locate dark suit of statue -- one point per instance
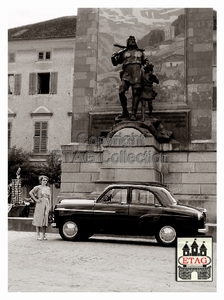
(132, 59)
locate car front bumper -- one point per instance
(203, 230)
(53, 225)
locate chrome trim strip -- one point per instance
(105, 211)
(86, 210)
(73, 209)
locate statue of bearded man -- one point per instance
(132, 59)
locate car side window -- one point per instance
(140, 196)
(116, 195)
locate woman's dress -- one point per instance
(41, 212)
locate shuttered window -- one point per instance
(17, 89)
(43, 83)
(11, 84)
(14, 84)
(11, 57)
(40, 137)
(32, 83)
(54, 82)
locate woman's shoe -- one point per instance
(39, 238)
(44, 238)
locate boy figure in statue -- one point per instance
(132, 59)
(148, 94)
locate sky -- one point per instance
(24, 12)
(23, 16)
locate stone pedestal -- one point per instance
(128, 153)
(129, 156)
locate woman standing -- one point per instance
(41, 195)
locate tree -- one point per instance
(19, 158)
(53, 169)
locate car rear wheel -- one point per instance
(166, 235)
(69, 230)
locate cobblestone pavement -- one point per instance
(101, 264)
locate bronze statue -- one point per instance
(148, 94)
(132, 59)
(18, 173)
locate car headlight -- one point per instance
(200, 215)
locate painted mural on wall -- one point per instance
(161, 32)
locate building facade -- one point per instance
(40, 85)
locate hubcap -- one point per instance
(167, 234)
(70, 229)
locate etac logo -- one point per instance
(194, 259)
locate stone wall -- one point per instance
(191, 176)
(199, 70)
(79, 173)
(85, 69)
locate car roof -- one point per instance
(143, 184)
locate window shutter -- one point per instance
(11, 57)
(9, 134)
(32, 83)
(54, 83)
(40, 137)
(36, 136)
(11, 84)
(43, 145)
(17, 88)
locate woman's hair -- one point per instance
(42, 177)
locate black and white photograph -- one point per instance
(111, 152)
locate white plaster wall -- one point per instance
(59, 124)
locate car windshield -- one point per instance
(165, 196)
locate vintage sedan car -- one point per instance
(130, 209)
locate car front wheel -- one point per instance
(166, 235)
(69, 230)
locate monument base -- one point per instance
(150, 126)
(175, 121)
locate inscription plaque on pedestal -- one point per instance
(175, 121)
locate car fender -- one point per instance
(150, 217)
(157, 219)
